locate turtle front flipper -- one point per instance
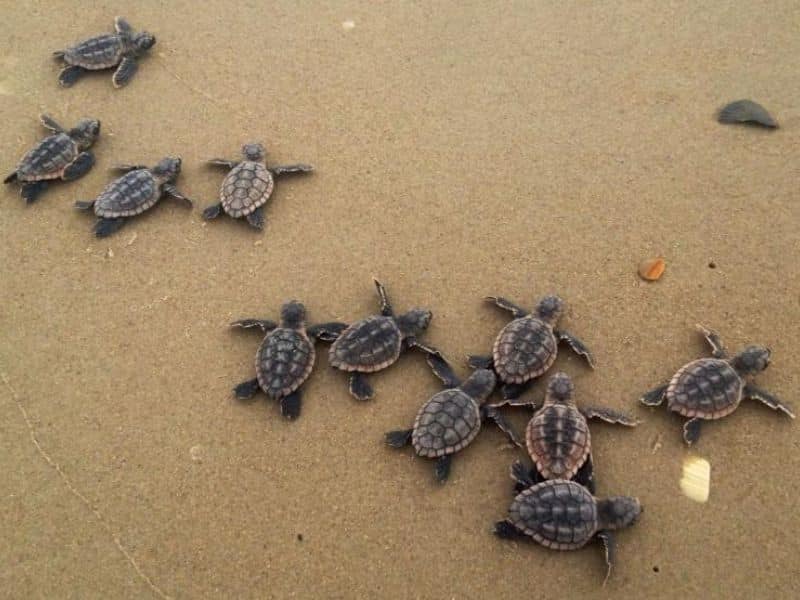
(289, 169)
(756, 393)
(516, 311)
(247, 389)
(609, 415)
(264, 324)
(125, 72)
(360, 388)
(577, 345)
(691, 431)
(610, 549)
(655, 396)
(171, 191)
(256, 218)
(507, 531)
(49, 123)
(222, 162)
(79, 167)
(326, 332)
(480, 361)
(69, 75)
(493, 413)
(122, 26)
(31, 190)
(84, 204)
(105, 227)
(713, 339)
(213, 211)
(442, 467)
(442, 369)
(291, 404)
(125, 168)
(512, 391)
(524, 477)
(399, 438)
(386, 306)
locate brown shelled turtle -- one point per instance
(558, 437)
(374, 343)
(451, 419)
(105, 51)
(63, 155)
(247, 187)
(526, 347)
(285, 357)
(133, 193)
(564, 515)
(711, 388)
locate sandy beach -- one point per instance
(460, 150)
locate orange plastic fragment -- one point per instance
(652, 269)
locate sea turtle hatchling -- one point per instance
(376, 342)
(564, 515)
(105, 51)
(133, 193)
(449, 421)
(526, 347)
(711, 388)
(285, 357)
(558, 438)
(63, 155)
(247, 187)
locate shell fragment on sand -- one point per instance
(746, 111)
(696, 479)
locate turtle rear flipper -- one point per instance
(290, 405)
(655, 396)
(480, 361)
(691, 431)
(69, 75)
(256, 218)
(326, 332)
(31, 190)
(213, 211)
(442, 468)
(246, 389)
(360, 388)
(105, 227)
(10, 178)
(84, 204)
(125, 72)
(507, 531)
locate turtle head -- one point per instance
(550, 309)
(254, 152)
(560, 388)
(480, 385)
(617, 512)
(85, 132)
(751, 360)
(168, 168)
(143, 41)
(293, 314)
(414, 322)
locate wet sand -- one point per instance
(461, 150)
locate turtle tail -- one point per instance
(10, 178)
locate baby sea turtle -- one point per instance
(63, 155)
(133, 193)
(285, 357)
(746, 112)
(558, 438)
(248, 186)
(711, 388)
(564, 515)
(527, 347)
(374, 343)
(451, 419)
(105, 51)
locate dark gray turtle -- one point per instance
(558, 438)
(374, 343)
(63, 155)
(564, 515)
(528, 345)
(711, 388)
(133, 193)
(285, 357)
(746, 112)
(248, 186)
(105, 51)
(451, 419)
